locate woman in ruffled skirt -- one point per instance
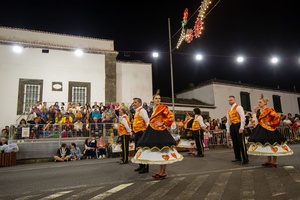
(266, 140)
(157, 145)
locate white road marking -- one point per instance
(158, 194)
(190, 189)
(247, 186)
(82, 194)
(217, 190)
(275, 184)
(58, 194)
(111, 191)
(138, 190)
(293, 173)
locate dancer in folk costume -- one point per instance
(235, 129)
(186, 139)
(198, 127)
(124, 131)
(139, 126)
(266, 140)
(157, 146)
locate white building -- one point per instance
(214, 97)
(48, 70)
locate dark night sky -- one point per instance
(255, 28)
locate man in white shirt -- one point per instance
(235, 128)
(124, 131)
(198, 127)
(140, 123)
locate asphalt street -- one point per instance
(212, 177)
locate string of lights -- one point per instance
(188, 34)
(239, 59)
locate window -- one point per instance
(245, 101)
(277, 103)
(79, 92)
(30, 91)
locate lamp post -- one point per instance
(171, 66)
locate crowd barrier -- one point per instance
(42, 131)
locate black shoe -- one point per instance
(121, 163)
(236, 160)
(144, 170)
(199, 155)
(245, 162)
(138, 169)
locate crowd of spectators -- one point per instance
(216, 134)
(75, 119)
(72, 120)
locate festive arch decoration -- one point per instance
(188, 34)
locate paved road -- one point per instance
(212, 177)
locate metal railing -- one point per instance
(43, 131)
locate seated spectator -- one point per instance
(44, 109)
(78, 127)
(3, 141)
(62, 110)
(104, 113)
(101, 147)
(96, 113)
(78, 115)
(51, 112)
(67, 128)
(111, 105)
(108, 125)
(117, 109)
(56, 106)
(287, 121)
(96, 127)
(22, 124)
(59, 119)
(101, 107)
(75, 152)
(93, 145)
(95, 106)
(89, 152)
(36, 109)
(63, 153)
(111, 139)
(49, 121)
(36, 129)
(4, 133)
(70, 114)
(112, 114)
(78, 106)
